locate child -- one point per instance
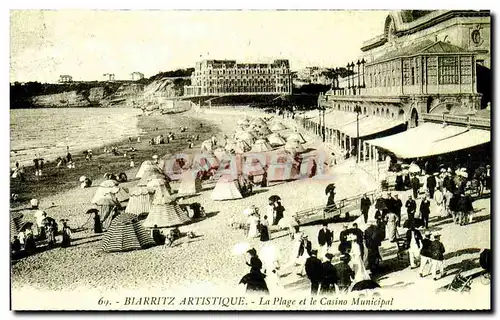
(66, 235)
(97, 223)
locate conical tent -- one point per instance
(264, 131)
(145, 167)
(126, 233)
(16, 221)
(276, 140)
(140, 200)
(238, 146)
(150, 175)
(105, 188)
(246, 136)
(261, 145)
(190, 183)
(277, 126)
(296, 136)
(227, 188)
(166, 215)
(258, 122)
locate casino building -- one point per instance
(227, 77)
(427, 68)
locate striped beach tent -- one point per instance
(190, 183)
(141, 198)
(147, 166)
(126, 233)
(166, 215)
(16, 221)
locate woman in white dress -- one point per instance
(357, 264)
(440, 203)
(253, 223)
(271, 265)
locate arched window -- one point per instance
(364, 110)
(378, 112)
(401, 114)
(387, 113)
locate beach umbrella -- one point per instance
(414, 168)
(241, 248)
(330, 188)
(274, 198)
(287, 222)
(365, 285)
(92, 211)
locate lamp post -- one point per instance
(363, 63)
(348, 78)
(357, 109)
(358, 63)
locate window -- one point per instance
(448, 70)
(465, 70)
(406, 72)
(431, 70)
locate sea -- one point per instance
(46, 133)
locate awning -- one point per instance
(430, 139)
(335, 119)
(369, 125)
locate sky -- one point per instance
(86, 44)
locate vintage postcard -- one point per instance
(250, 160)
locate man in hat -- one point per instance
(437, 255)
(425, 253)
(329, 277)
(431, 185)
(343, 273)
(425, 210)
(365, 207)
(325, 240)
(303, 253)
(415, 185)
(374, 236)
(397, 208)
(411, 207)
(314, 271)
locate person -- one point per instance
(397, 208)
(157, 235)
(271, 211)
(390, 202)
(343, 273)
(356, 231)
(255, 282)
(365, 206)
(303, 252)
(15, 246)
(29, 241)
(357, 264)
(414, 240)
(391, 226)
(253, 259)
(406, 180)
(108, 210)
(431, 185)
(437, 255)
(97, 223)
(343, 234)
(399, 182)
(37, 166)
(325, 240)
(411, 208)
(440, 203)
(425, 210)
(373, 240)
(328, 278)
(66, 234)
(380, 203)
(462, 207)
(425, 253)
(264, 230)
(415, 185)
(253, 225)
(279, 212)
(314, 268)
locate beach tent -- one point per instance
(277, 126)
(149, 177)
(159, 184)
(141, 198)
(166, 215)
(296, 136)
(237, 146)
(276, 140)
(294, 146)
(261, 145)
(205, 162)
(220, 153)
(243, 122)
(174, 167)
(190, 183)
(110, 186)
(16, 221)
(246, 136)
(147, 166)
(264, 131)
(283, 167)
(257, 122)
(126, 233)
(227, 188)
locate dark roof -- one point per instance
(423, 47)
